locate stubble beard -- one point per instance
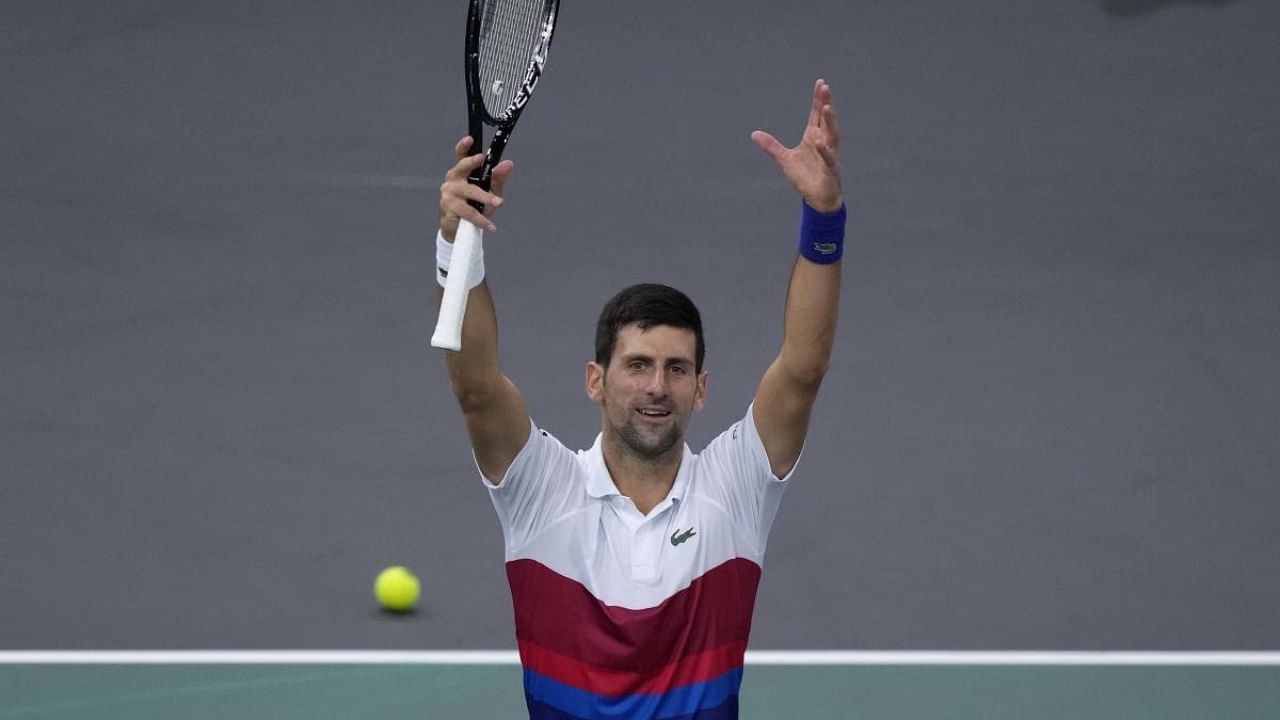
(648, 447)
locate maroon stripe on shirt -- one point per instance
(688, 670)
(559, 614)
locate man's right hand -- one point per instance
(456, 191)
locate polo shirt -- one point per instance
(624, 615)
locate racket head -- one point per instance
(507, 43)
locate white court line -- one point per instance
(509, 657)
(1007, 657)
(261, 657)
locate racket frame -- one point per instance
(469, 239)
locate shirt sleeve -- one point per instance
(538, 488)
(738, 468)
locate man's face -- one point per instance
(650, 388)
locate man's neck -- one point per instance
(646, 481)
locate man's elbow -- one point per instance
(472, 398)
(807, 373)
(479, 395)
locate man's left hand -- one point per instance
(813, 165)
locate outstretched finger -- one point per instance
(769, 144)
(828, 155)
(461, 147)
(816, 103)
(831, 125)
(498, 181)
(459, 206)
(465, 167)
(473, 193)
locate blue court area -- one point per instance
(869, 690)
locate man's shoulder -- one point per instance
(544, 448)
(738, 431)
(735, 451)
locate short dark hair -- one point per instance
(647, 305)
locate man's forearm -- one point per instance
(474, 372)
(809, 320)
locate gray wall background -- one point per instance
(1053, 414)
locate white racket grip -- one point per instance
(453, 304)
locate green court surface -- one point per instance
(390, 691)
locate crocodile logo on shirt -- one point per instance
(678, 537)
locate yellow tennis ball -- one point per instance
(396, 589)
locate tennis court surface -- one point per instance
(868, 686)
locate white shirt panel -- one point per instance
(561, 508)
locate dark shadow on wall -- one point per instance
(1130, 8)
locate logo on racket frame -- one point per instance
(531, 79)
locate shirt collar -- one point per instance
(600, 483)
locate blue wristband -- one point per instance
(822, 235)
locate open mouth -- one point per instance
(653, 412)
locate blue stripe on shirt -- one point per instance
(718, 698)
(728, 710)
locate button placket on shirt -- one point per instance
(647, 544)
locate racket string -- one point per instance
(510, 32)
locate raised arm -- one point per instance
(495, 413)
(789, 387)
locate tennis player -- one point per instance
(634, 564)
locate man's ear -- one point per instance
(700, 394)
(595, 381)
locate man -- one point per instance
(634, 565)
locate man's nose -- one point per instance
(657, 384)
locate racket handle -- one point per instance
(453, 304)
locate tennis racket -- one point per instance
(507, 42)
